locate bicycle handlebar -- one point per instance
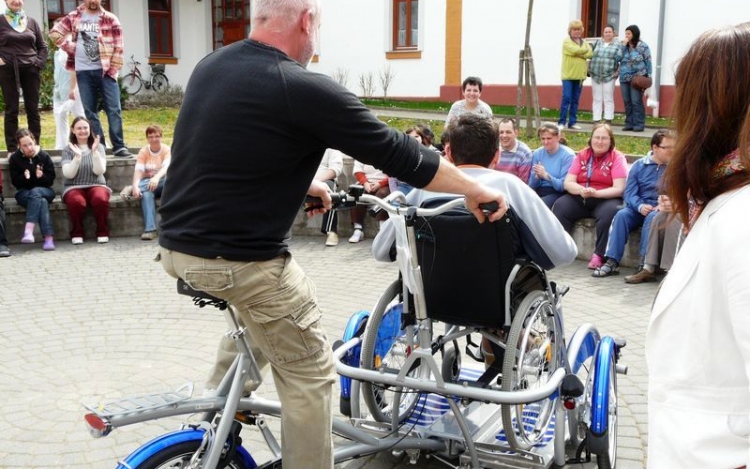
(356, 195)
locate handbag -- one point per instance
(641, 82)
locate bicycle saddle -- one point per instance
(185, 289)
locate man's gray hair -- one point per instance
(282, 13)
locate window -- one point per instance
(59, 8)
(160, 27)
(405, 24)
(231, 21)
(596, 14)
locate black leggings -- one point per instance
(29, 79)
(571, 208)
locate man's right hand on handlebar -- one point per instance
(483, 195)
(320, 190)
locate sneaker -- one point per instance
(357, 236)
(49, 244)
(4, 251)
(575, 127)
(149, 235)
(122, 153)
(596, 261)
(332, 239)
(561, 127)
(641, 276)
(609, 268)
(102, 239)
(28, 238)
(627, 128)
(76, 240)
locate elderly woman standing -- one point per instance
(604, 69)
(574, 68)
(636, 60)
(23, 53)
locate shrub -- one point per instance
(169, 98)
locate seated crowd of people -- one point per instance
(83, 164)
(595, 182)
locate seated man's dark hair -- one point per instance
(473, 140)
(660, 135)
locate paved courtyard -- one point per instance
(92, 321)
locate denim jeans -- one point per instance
(626, 220)
(635, 112)
(276, 303)
(148, 202)
(569, 106)
(90, 84)
(36, 201)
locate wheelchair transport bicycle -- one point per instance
(403, 387)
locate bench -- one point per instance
(126, 219)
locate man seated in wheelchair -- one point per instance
(457, 254)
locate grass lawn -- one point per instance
(135, 122)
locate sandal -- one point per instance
(609, 268)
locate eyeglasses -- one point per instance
(603, 139)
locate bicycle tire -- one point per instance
(531, 346)
(384, 349)
(178, 455)
(159, 82)
(132, 83)
(606, 458)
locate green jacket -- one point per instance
(574, 65)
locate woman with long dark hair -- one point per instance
(698, 341)
(636, 60)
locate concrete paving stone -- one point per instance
(629, 442)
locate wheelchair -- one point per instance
(476, 280)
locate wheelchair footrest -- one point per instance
(134, 404)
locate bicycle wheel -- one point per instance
(132, 83)
(387, 345)
(531, 357)
(159, 82)
(179, 455)
(604, 407)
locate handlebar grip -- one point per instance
(314, 203)
(489, 206)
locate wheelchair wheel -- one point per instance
(531, 356)
(386, 346)
(451, 366)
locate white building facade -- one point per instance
(426, 46)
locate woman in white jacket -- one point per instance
(698, 342)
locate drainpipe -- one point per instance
(653, 99)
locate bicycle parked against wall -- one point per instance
(134, 81)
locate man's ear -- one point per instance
(308, 21)
(448, 155)
(495, 159)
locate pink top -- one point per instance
(598, 172)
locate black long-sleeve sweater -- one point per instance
(17, 163)
(250, 135)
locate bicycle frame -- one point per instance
(364, 436)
